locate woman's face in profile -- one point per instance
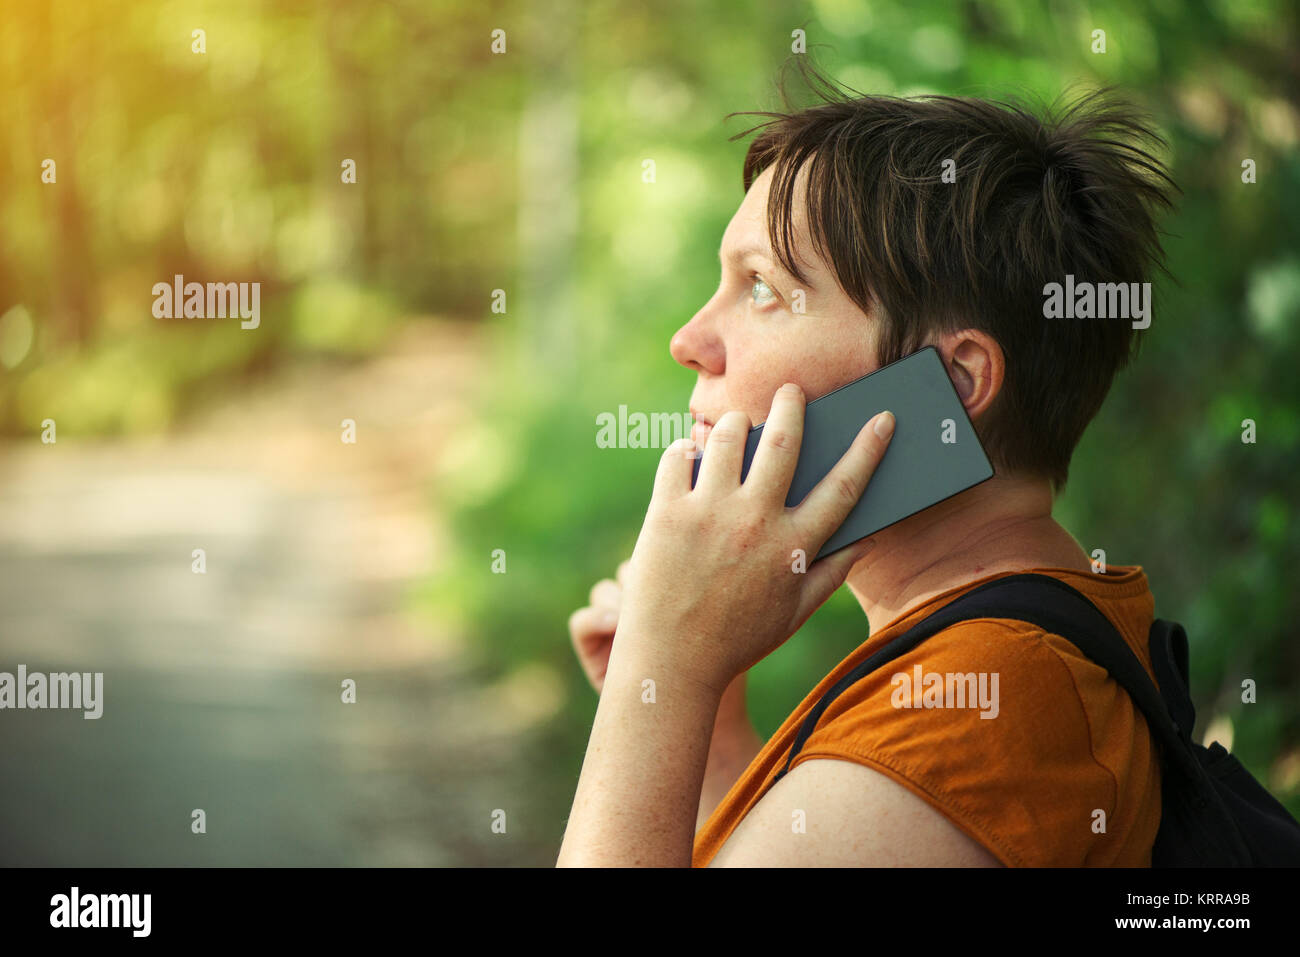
(758, 332)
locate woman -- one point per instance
(871, 227)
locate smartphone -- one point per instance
(933, 455)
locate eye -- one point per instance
(768, 295)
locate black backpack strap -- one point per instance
(1168, 647)
(1057, 608)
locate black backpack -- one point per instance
(1214, 813)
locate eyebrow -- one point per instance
(744, 251)
(763, 253)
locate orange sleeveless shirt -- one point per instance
(1062, 772)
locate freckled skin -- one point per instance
(743, 344)
(744, 350)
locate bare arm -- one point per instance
(734, 745)
(854, 817)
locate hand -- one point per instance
(592, 628)
(713, 587)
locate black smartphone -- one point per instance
(933, 455)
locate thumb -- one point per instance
(828, 574)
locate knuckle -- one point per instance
(750, 536)
(750, 531)
(846, 489)
(782, 439)
(731, 426)
(724, 434)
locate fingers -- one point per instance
(607, 593)
(673, 479)
(724, 453)
(778, 448)
(592, 632)
(590, 627)
(829, 503)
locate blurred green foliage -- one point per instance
(522, 172)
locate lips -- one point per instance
(701, 429)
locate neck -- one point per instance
(1004, 524)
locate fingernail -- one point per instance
(609, 619)
(884, 426)
(791, 388)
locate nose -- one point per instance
(696, 346)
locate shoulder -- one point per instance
(984, 724)
(885, 778)
(985, 677)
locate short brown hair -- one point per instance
(1035, 199)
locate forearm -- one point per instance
(733, 747)
(641, 779)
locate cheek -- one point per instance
(753, 379)
(756, 370)
(834, 367)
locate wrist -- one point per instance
(632, 662)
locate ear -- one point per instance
(976, 366)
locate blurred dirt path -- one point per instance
(222, 690)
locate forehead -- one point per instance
(747, 232)
(748, 226)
